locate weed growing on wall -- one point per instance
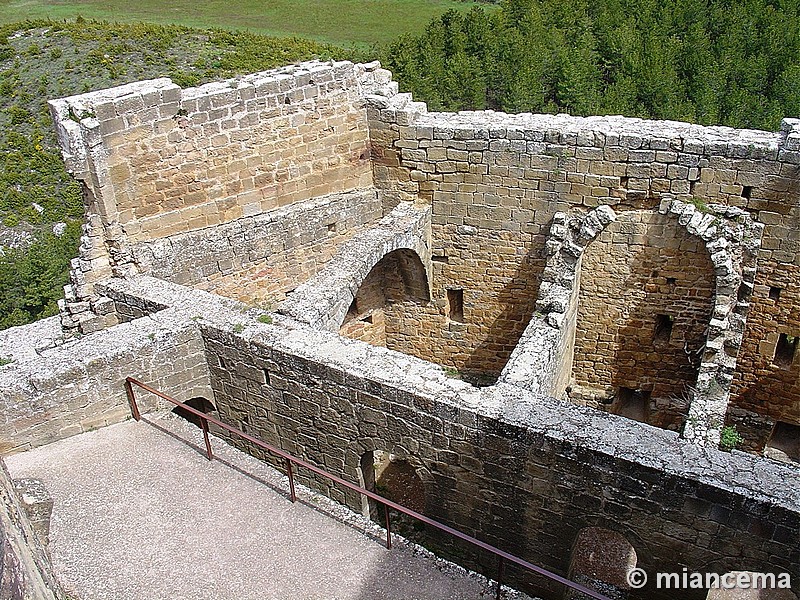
(729, 438)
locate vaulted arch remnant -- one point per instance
(398, 243)
(730, 239)
(646, 296)
(398, 277)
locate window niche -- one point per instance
(785, 350)
(663, 330)
(455, 305)
(784, 443)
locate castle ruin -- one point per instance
(549, 318)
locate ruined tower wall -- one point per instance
(162, 165)
(495, 181)
(178, 160)
(156, 160)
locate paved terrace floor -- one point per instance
(140, 513)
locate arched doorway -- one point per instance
(198, 403)
(398, 278)
(395, 479)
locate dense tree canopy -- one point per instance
(731, 62)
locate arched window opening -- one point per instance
(601, 560)
(198, 403)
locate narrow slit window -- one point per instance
(747, 190)
(785, 350)
(266, 377)
(663, 330)
(455, 305)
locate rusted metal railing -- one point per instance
(502, 557)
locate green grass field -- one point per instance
(344, 22)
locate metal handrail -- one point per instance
(502, 555)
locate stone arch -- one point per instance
(398, 478)
(396, 278)
(645, 298)
(324, 301)
(601, 560)
(732, 240)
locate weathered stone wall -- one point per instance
(156, 160)
(517, 469)
(78, 385)
(495, 181)
(523, 472)
(259, 259)
(25, 569)
(766, 392)
(159, 162)
(643, 266)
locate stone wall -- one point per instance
(25, 569)
(259, 259)
(523, 472)
(517, 469)
(156, 160)
(495, 182)
(161, 166)
(78, 385)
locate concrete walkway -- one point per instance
(141, 514)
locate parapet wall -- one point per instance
(522, 472)
(55, 392)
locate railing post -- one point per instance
(204, 424)
(291, 479)
(132, 400)
(501, 567)
(388, 527)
